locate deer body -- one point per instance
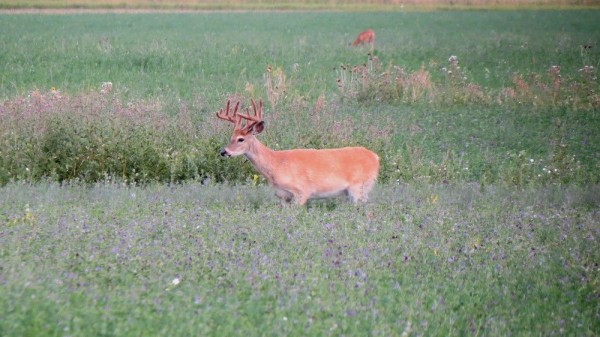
(368, 36)
(303, 174)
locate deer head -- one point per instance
(243, 136)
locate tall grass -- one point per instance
(95, 137)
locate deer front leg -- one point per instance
(285, 196)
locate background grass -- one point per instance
(485, 123)
(182, 55)
(356, 5)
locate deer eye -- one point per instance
(240, 140)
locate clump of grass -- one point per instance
(370, 82)
(549, 100)
(578, 91)
(95, 136)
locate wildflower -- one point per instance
(106, 88)
(175, 281)
(249, 88)
(407, 329)
(453, 59)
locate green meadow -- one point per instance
(118, 217)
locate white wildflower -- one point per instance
(407, 329)
(106, 88)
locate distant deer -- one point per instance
(301, 174)
(368, 36)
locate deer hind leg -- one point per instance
(360, 192)
(355, 193)
(300, 199)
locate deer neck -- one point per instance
(262, 158)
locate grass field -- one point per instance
(118, 218)
(182, 55)
(188, 260)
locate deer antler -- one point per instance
(233, 118)
(257, 117)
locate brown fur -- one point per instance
(367, 36)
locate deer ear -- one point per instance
(258, 127)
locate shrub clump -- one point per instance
(95, 136)
(371, 82)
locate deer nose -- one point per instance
(223, 153)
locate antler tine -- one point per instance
(225, 114)
(260, 107)
(234, 117)
(257, 117)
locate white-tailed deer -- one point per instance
(368, 36)
(301, 174)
